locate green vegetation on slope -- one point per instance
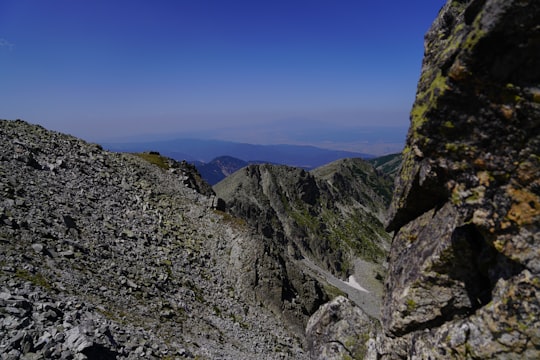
(333, 214)
(155, 158)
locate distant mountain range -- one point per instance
(192, 150)
(216, 159)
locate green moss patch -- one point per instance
(155, 158)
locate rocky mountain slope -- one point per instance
(116, 255)
(110, 256)
(463, 278)
(330, 219)
(388, 164)
(331, 215)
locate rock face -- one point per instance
(464, 268)
(331, 214)
(108, 256)
(329, 217)
(339, 330)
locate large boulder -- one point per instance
(339, 330)
(464, 280)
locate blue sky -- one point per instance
(255, 71)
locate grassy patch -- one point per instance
(411, 306)
(232, 220)
(332, 291)
(356, 235)
(36, 279)
(155, 158)
(305, 220)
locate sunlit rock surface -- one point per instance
(464, 268)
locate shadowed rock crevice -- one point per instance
(479, 265)
(457, 281)
(427, 180)
(472, 258)
(505, 55)
(99, 352)
(472, 10)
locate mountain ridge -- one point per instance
(222, 166)
(310, 211)
(306, 156)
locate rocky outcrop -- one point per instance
(108, 256)
(464, 268)
(339, 330)
(332, 214)
(311, 222)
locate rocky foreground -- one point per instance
(105, 255)
(126, 256)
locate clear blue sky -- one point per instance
(223, 68)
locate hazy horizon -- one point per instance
(369, 139)
(302, 72)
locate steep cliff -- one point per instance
(464, 268)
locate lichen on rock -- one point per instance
(465, 259)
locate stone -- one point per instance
(38, 248)
(339, 330)
(463, 268)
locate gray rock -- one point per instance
(463, 270)
(37, 248)
(73, 232)
(339, 330)
(76, 339)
